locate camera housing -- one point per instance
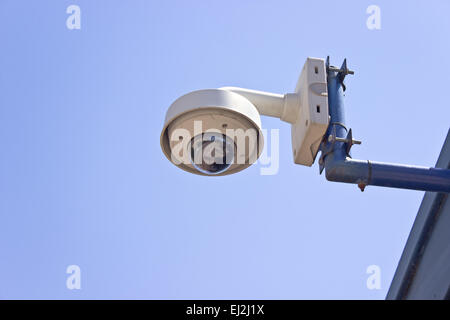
(212, 112)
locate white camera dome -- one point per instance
(212, 132)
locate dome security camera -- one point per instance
(195, 137)
(217, 132)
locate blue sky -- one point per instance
(83, 180)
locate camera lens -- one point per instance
(212, 153)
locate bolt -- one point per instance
(362, 186)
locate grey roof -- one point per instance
(424, 268)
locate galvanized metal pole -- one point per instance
(340, 167)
